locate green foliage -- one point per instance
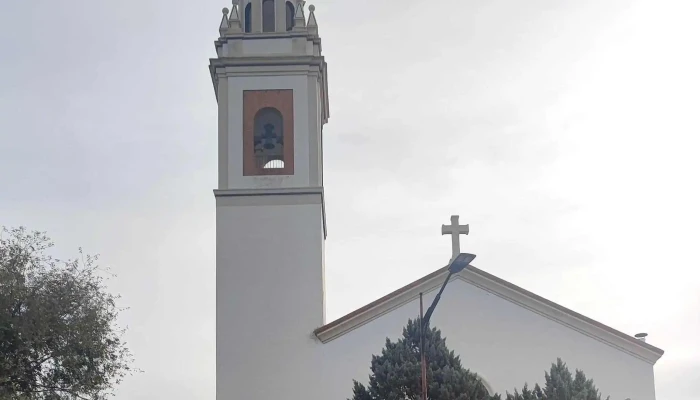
(560, 384)
(57, 324)
(396, 372)
(396, 375)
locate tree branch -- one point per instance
(60, 389)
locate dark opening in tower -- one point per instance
(268, 139)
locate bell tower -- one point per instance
(271, 87)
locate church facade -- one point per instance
(272, 337)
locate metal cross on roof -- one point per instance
(455, 229)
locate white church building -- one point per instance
(273, 341)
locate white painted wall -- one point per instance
(262, 46)
(504, 343)
(276, 356)
(293, 43)
(269, 296)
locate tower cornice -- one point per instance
(273, 196)
(263, 65)
(284, 60)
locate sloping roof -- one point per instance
(498, 287)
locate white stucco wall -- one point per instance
(269, 45)
(504, 343)
(269, 295)
(265, 349)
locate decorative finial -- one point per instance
(312, 26)
(299, 19)
(234, 22)
(223, 27)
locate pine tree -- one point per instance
(396, 373)
(560, 384)
(527, 394)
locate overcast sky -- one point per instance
(565, 132)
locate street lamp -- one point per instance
(456, 265)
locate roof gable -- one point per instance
(500, 288)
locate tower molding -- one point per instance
(273, 197)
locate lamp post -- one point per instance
(456, 265)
